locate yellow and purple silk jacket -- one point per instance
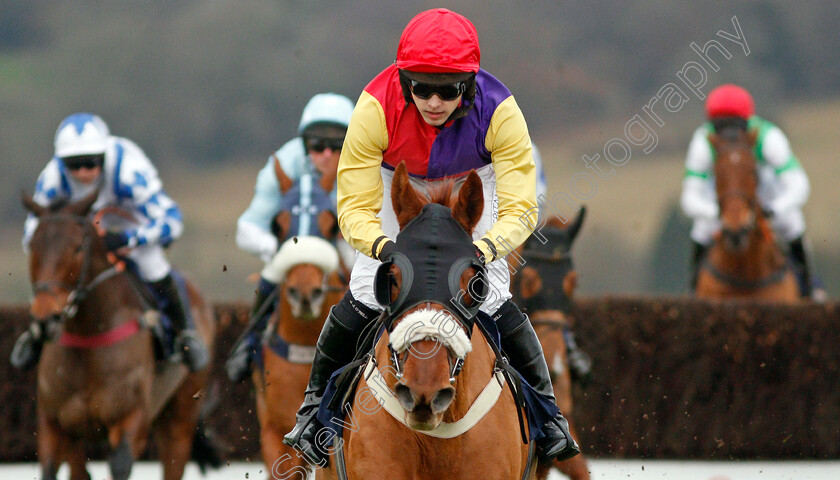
(386, 130)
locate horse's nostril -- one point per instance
(404, 396)
(443, 398)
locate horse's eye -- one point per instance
(317, 292)
(293, 292)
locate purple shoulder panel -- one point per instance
(459, 147)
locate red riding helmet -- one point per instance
(439, 41)
(729, 101)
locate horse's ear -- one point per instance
(574, 228)
(280, 224)
(31, 206)
(405, 199)
(714, 139)
(282, 179)
(327, 225)
(752, 137)
(470, 204)
(82, 207)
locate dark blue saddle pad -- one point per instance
(539, 409)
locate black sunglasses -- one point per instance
(316, 144)
(446, 92)
(83, 161)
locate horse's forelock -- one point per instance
(441, 193)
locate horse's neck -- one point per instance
(760, 259)
(297, 331)
(109, 304)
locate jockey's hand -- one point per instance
(387, 250)
(479, 254)
(115, 240)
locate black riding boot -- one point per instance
(27, 349)
(187, 340)
(243, 353)
(800, 259)
(698, 252)
(580, 363)
(336, 347)
(523, 349)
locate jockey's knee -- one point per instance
(152, 264)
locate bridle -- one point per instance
(82, 288)
(456, 364)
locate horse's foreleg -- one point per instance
(281, 460)
(128, 440)
(76, 458)
(175, 428)
(49, 439)
(174, 439)
(542, 470)
(575, 468)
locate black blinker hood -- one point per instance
(432, 252)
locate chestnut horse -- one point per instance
(437, 364)
(543, 286)
(744, 261)
(99, 379)
(306, 269)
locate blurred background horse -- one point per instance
(310, 278)
(543, 287)
(309, 285)
(744, 261)
(99, 379)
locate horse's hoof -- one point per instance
(120, 461)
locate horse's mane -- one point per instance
(441, 193)
(58, 206)
(554, 221)
(732, 134)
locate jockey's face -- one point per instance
(325, 161)
(323, 145)
(434, 110)
(84, 169)
(86, 175)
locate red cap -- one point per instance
(439, 41)
(729, 101)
